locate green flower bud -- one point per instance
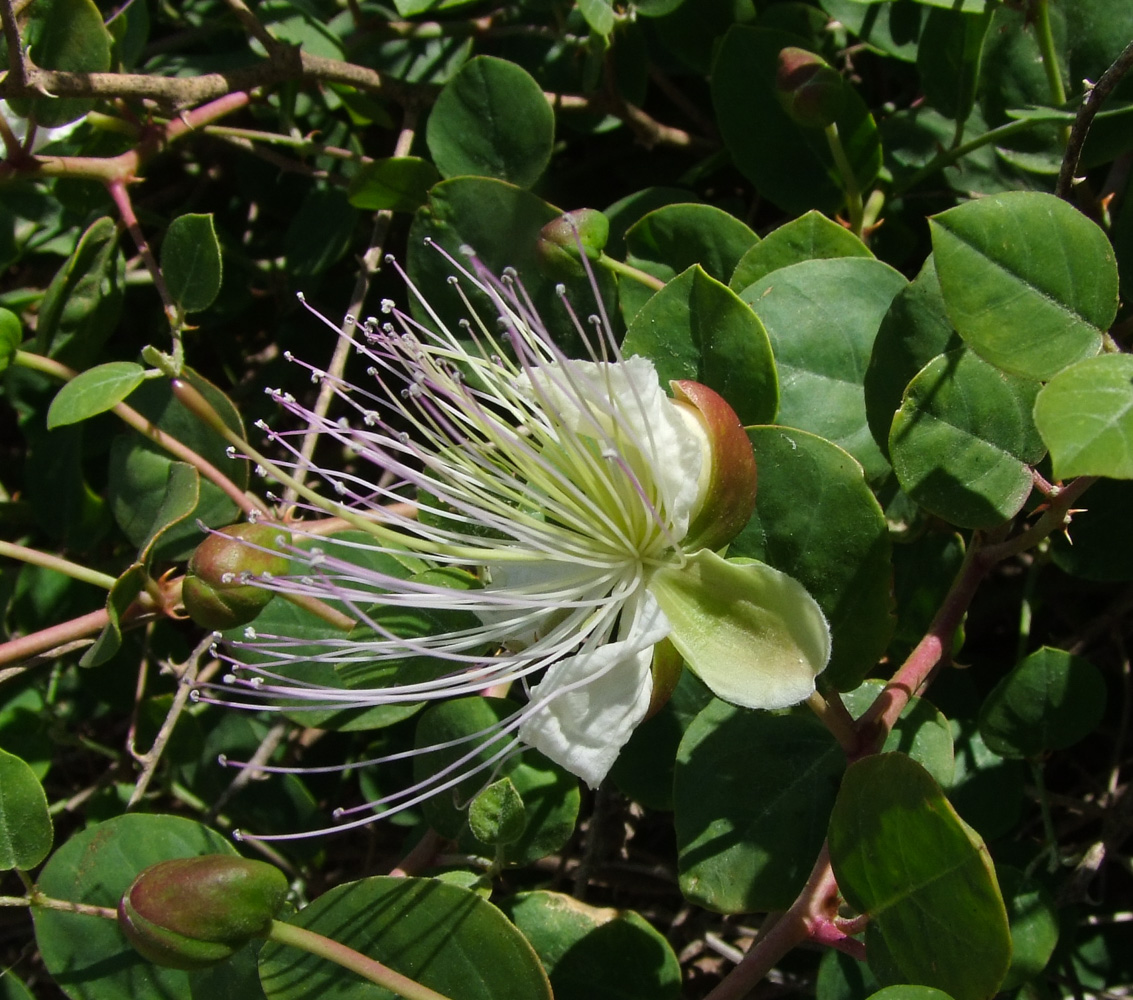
(190, 913)
(212, 591)
(559, 240)
(729, 480)
(810, 90)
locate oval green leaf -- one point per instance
(11, 334)
(25, 824)
(902, 855)
(752, 795)
(921, 732)
(696, 328)
(963, 441)
(1049, 701)
(822, 317)
(1085, 416)
(810, 237)
(190, 262)
(396, 184)
(1029, 282)
(436, 933)
(94, 391)
(492, 120)
(1034, 925)
(818, 520)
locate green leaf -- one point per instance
(752, 795)
(396, 184)
(595, 953)
(963, 441)
(1034, 925)
(909, 993)
(25, 825)
(810, 237)
(822, 317)
(492, 120)
(894, 27)
(987, 790)
(94, 391)
(319, 232)
(670, 239)
(497, 815)
(696, 328)
(89, 958)
(1029, 282)
(11, 335)
(1049, 701)
(1085, 416)
(921, 732)
(440, 935)
(751, 633)
(817, 519)
(948, 59)
(789, 164)
(599, 14)
(902, 855)
(190, 262)
(65, 35)
(126, 588)
(12, 989)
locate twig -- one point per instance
(17, 68)
(249, 771)
(22, 553)
(121, 199)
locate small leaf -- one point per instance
(496, 815)
(1085, 415)
(190, 262)
(11, 334)
(94, 391)
(25, 825)
(752, 634)
(397, 184)
(1049, 701)
(1029, 281)
(126, 588)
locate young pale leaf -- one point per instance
(25, 825)
(497, 815)
(94, 391)
(190, 262)
(1085, 415)
(752, 634)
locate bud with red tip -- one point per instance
(810, 90)
(190, 913)
(217, 591)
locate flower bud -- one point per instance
(190, 913)
(560, 239)
(810, 90)
(213, 592)
(727, 495)
(666, 671)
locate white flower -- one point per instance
(564, 489)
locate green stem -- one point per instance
(631, 272)
(950, 156)
(1045, 38)
(849, 179)
(348, 958)
(22, 553)
(47, 903)
(1044, 809)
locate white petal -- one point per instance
(596, 699)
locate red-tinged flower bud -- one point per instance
(728, 496)
(810, 90)
(190, 913)
(560, 239)
(216, 591)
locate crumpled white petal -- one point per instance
(625, 397)
(588, 705)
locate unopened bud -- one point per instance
(215, 590)
(810, 90)
(666, 670)
(189, 913)
(562, 241)
(728, 481)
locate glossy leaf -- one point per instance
(190, 262)
(89, 958)
(25, 825)
(909, 993)
(817, 519)
(1085, 416)
(789, 164)
(595, 953)
(1034, 925)
(934, 902)
(822, 317)
(398, 184)
(12, 989)
(963, 441)
(894, 27)
(436, 933)
(492, 120)
(669, 240)
(94, 391)
(696, 328)
(810, 237)
(1049, 701)
(922, 732)
(752, 797)
(1029, 282)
